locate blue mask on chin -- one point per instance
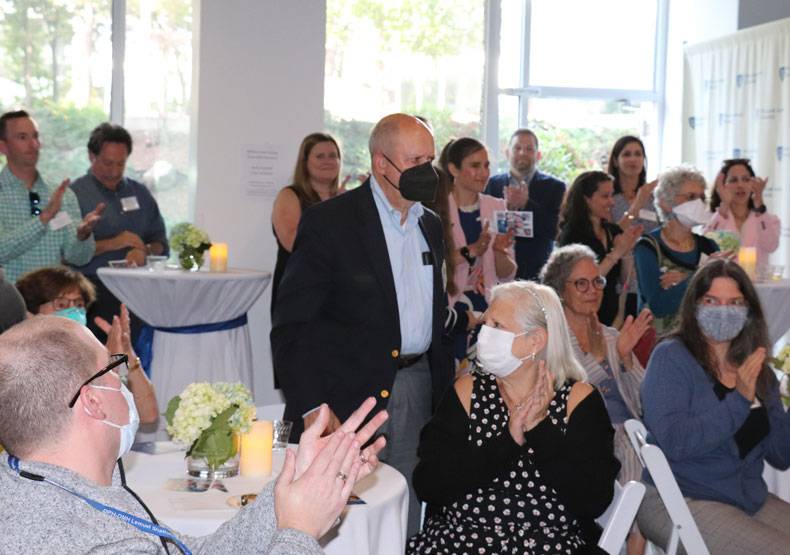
(76, 313)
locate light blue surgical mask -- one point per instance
(76, 313)
(722, 323)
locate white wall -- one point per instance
(260, 79)
(689, 22)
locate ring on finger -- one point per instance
(342, 475)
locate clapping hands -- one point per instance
(632, 331)
(531, 411)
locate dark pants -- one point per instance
(409, 409)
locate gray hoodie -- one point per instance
(37, 517)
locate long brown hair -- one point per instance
(441, 206)
(753, 335)
(301, 175)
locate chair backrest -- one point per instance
(619, 516)
(684, 529)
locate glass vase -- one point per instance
(199, 467)
(191, 259)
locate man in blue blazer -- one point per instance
(360, 309)
(525, 188)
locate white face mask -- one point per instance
(129, 430)
(692, 213)
(495, 351)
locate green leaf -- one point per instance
(172, 407)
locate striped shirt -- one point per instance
(25, 243)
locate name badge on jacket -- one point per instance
(129, 204)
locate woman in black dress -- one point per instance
(585, 219)
(518, 458)
(315, 179)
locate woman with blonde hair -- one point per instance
(518, 457)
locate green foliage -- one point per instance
(172, 407)
(216, 443)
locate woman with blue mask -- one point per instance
(711, 403)
(666, 257)
(518, 457)
(64, 292)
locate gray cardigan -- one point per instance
(37, 517)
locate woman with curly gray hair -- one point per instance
(606, 354)
(667, 256)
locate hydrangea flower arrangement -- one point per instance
(206, 416)
(782, 363)
(190, 243)
(726, 240)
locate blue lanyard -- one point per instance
(141, 524)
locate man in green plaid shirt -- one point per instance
(39, 226)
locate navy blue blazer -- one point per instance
(545, 198)
(336, 328)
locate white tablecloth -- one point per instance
(775, 300)
(778, 482)
(376, 528)
(172, 298)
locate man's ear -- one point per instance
(539, 156)
(3, 148)
(92, 403)
(91, 157)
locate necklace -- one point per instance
(685, 245)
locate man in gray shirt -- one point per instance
(131, 226)
(65, 419)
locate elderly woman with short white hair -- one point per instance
(518, 457)
(667, 256)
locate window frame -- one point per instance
(492, 91)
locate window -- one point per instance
(60, 60)
(384, 56)
(581, 74)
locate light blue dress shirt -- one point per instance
(413, 279)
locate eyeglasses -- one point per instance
(61, 303)
(115, 362)
(583, 284)
(35, 200)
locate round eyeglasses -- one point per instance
(582, 285)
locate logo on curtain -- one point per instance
(693, 122)
(727, 118)
(712, 84)
(782, 71)
(779, 151)
(736, 152)
(743, 79)
(767, 113)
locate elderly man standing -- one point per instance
(66, 418)
(527, 189)
(131, 226)
(360, 309)
(39, 226)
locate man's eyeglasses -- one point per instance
(582, 285)
(115, 362)
(35, 202)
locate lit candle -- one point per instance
(218, 257)
(256, 450)
(747, 258)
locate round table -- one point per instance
(376, 528)
(775, 298)
(175, 298)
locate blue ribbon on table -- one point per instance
(145, 341)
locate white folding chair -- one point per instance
(619, 516)
(684, 529)
(270, 412)
(423, 507)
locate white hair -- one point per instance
(669, 184)
(538, 306)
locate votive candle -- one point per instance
(747, 258)
(218, 257)
(256, 449)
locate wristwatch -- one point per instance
(760, 209)
(467, 255)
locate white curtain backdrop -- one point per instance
(737, 105)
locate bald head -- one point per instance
(43, 362)
(394, 128)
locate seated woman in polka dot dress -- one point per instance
(518, 458)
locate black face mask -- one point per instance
(418, 183)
